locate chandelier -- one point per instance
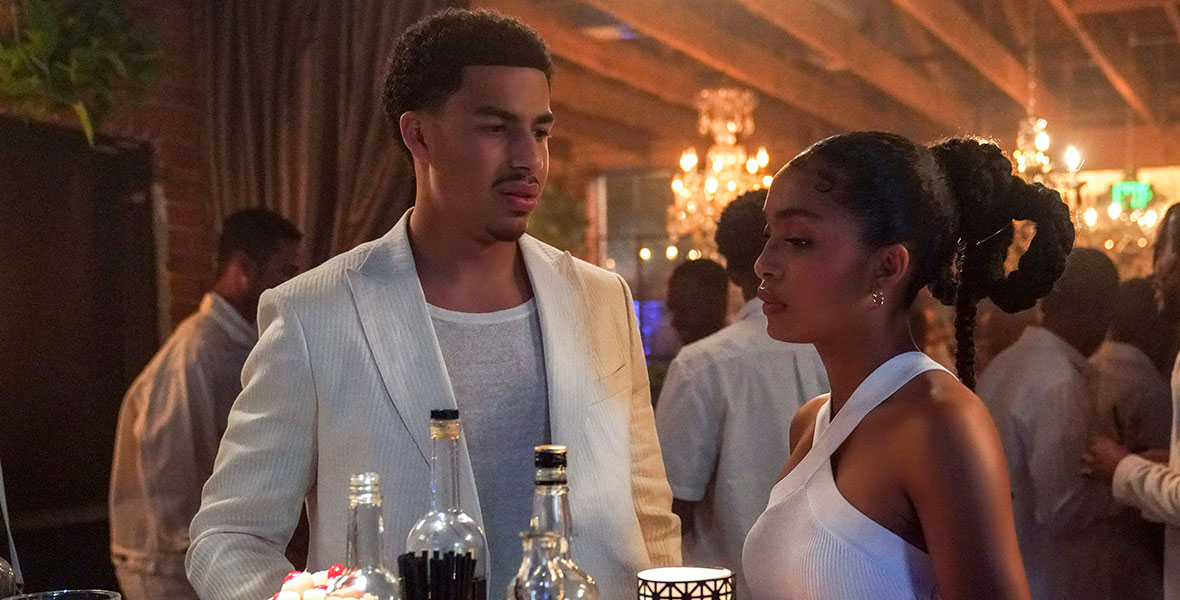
(1122, 228)
(702, 190)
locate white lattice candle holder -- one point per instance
(686, 583)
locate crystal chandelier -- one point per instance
(700, 194)
(1122, 228)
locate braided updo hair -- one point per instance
(952, 205)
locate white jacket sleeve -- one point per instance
(1151, 487)
(251, 503)
(649, 484)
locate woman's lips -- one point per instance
(770, 304)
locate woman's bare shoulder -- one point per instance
(946, 431)
(803, 423)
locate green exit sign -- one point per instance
(1131, 194)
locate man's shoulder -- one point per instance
(326, 282)
(595, 278)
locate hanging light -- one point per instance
(1090, 217)
(672, 252)
(700, 194)
(1073, 159)
(763, 157)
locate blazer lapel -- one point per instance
(397, 325)
(569, 367)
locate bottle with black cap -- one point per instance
(446, 551)
(551, 515)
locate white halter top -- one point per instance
(810, 543)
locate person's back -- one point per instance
(1040, 394)
(176, 410)
(1133, 399)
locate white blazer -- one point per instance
(343, 378)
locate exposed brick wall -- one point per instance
(173, 121)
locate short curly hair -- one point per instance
(740, 232)
(428, 61)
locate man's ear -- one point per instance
(246, 267)
(412, 128)
(892, 267)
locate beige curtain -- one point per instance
(295, 117)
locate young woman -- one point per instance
(896, 486)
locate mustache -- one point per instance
(514, 176)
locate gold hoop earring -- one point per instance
(878, 298)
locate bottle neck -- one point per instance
(444, 474)
(551, 511)
(365, 530)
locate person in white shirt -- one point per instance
(175, 412)
(1039, 394)
(1140, 480)
(1134, 407)
(725, 409)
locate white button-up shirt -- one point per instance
(724, 420)
(1038, 391)
(169, 429)
(1155, 489)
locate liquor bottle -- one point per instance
(446, 551)
(551, 514)
(540, 576)
(365, 570)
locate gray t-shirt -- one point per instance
(497, 370)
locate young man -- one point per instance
(1039, 392)
(174, 413)
(454, 308)
(725, 409)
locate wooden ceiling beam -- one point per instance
(689, 30)
(597, 95)
(576, 125)
(1173, 16)
(677, 83)
(619, 61)
(955, 28)
(1090, 7)
(829, 34)
(1015, 20)
(1123, 148)
(1113, 58)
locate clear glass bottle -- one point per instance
(446, 533)
(551, 514)
(365, 569)
(540, 576)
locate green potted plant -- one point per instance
(560, 219)
(81, 55)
